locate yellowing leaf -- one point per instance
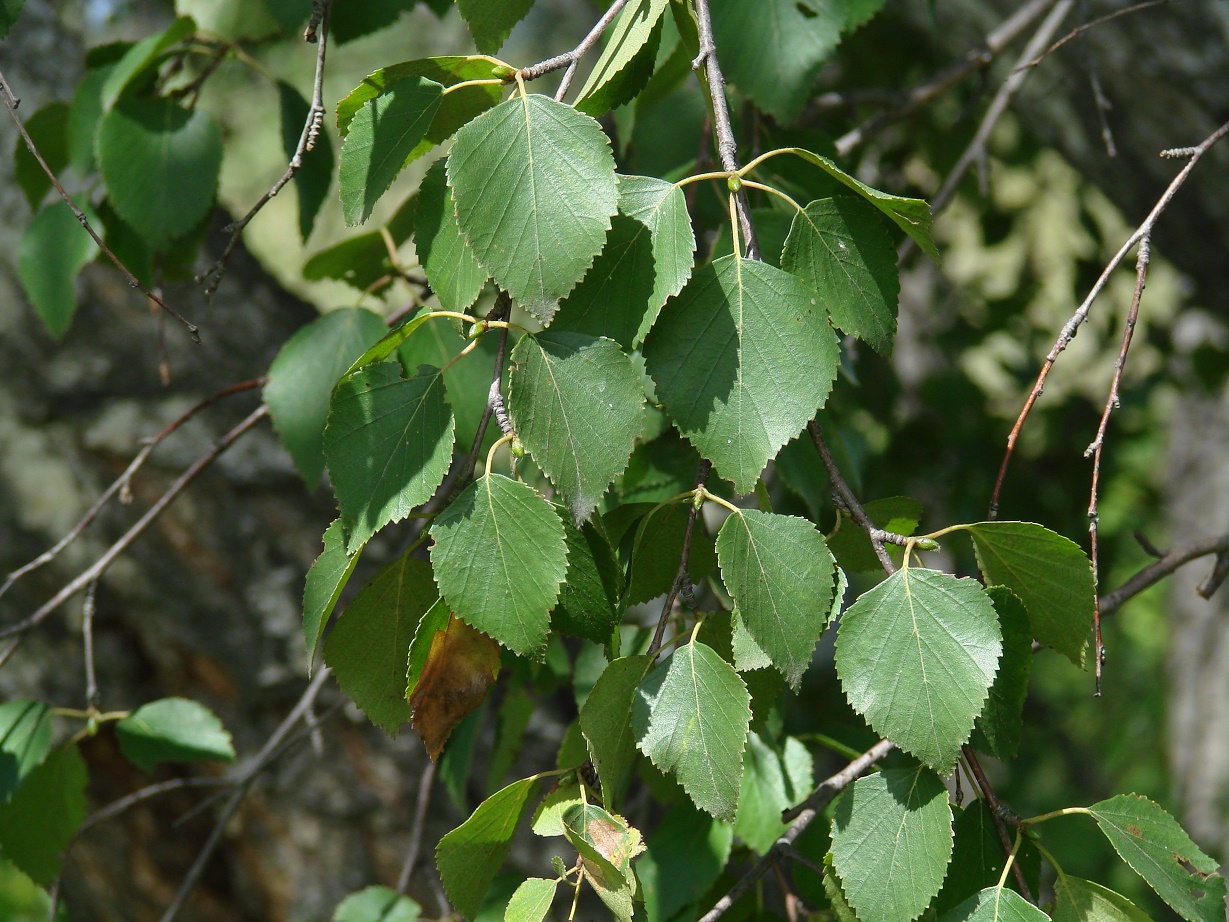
(461, 665)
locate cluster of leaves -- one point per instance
(636, 362)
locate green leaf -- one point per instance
(302, 377)
(499, 557)
(577, 403)
(382, 135)
(1079, 900)
(531, 901)
(548, 817)
(142, 57)
(160, 162)
(83, 119)
(535, 188)
(325, 581)
(998, 728)
(454, 272)
(605, 721)
(173, 730)
(690, 716)
(800, 35)
(515, 711)
(54, 249)
(861, 11)
(315, 173)
(491, 21)
(658, 548)
(916, 656)
(234, 19)
(377, 904)
(772, 782)
(41, 818)
(996, 905)
(686, 854)
(1050, 574)
(363, 261)
(850, 544)
(354, 20)
(369, 648)
(467, 382)
(779, 573)
(646, 260)
(742, 360)
(606, 844)
(1156, 848)
(838, 247)
(388, 445)
(9, 11)
(771, 229)
(25, 740)
(469, 857)
(626, 63)
(912, 215)
(978, 858)
(48, 127)
(891, 843)
(455, 108)
(436, 619)
(841, 910)
(589, 598)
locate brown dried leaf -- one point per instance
(461, 665)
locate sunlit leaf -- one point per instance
(455, 275)
(626, 61)
(605, 720)
(54, 249)
(173, 730)
(25, 740)
(42, 816)
(377, 904)
(531, 901)
(1079, 900)
(995, 904)
(325, 581)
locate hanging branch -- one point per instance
(681, 575)
(1164, 566)
(11, 103)
(1001, 816)
(1071, 327)
(425, 785)
(317, 32)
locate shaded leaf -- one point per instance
(998, 728)
(9, 11)
(140, 59)
(491, 21)
(849, 542)
(461, 665)
(589, 597)
(363, 261)
(382, 134)
(531, 901)
(1159, 850)
(325, 581)
(54, 249)
(388, 445)
(658, 549)
(515, 710)
(626, 61)
(315, 173)
(685, 855)
(891, 843)
(377, 904)
(577, 403)
(467, 381)
(1050, 574)
(742, 360)
(455, 275)
(302, 377)
(354, 20)
(978, 858)
(1079, 900)
(160, 162)
(369, 647)
(772, 782)
(535, 189)
(605, 720)
(996, 905)
(469, 857)
(48, 128)
(42, 816)
(499, 557)
(690, 716)
(646, 260)
(173, 730)
(25, 740)
(838, 247)
(779, 573)
(916, 656)
(83, 119)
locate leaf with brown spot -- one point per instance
(461, 665)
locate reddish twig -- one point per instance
(11, 102)
(1001, 817)
(1071, 327)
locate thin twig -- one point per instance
(1156, 571)
(307, 141)
(978, 59)
(1071, 327)
(1084, 28)
(241, 788)
(570, 59)
(1112, 401)
(11, 102)
(121, 484)
(501, 310)
(425, 785)
(727, 147)
(87, 631)
(681, 574)
(1001, 816)
(128, 801)
(802, 817)
(100, 566)
(877, 535)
